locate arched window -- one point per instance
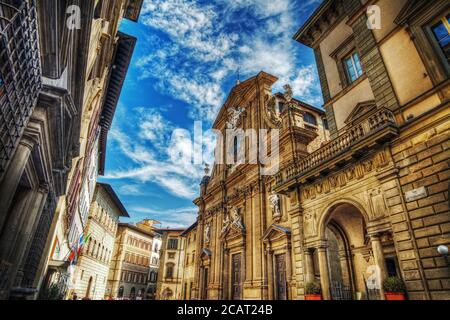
(169, 270)
(93, 248)
(153, 276)
(235, 149)
(133, 293)
(310, 118)
(120, 293)
(88, 247)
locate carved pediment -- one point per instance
(241, 95)
(206, 254)
(361, 109)
(276, 232)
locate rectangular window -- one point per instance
(441, 31)
(172, 244)
(353, 67)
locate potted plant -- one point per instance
(313, 291)
(394, 289)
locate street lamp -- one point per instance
(443, 251)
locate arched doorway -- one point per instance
(348, 246)
(133, 293)
(344, 231)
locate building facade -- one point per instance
(170, 274)
(130, 263)
(190, 245)
(92, 269)
(235, 206)
(107, 54)
(154, 266)
(370, 203)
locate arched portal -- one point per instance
(345, 252)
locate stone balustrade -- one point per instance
(356, 133)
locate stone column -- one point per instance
(288, 263)
(309, 264)
(12, 176)
(378, 256)
(344, 268)
(225, 274)
(324, 272)
(270, 275)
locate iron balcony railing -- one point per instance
(20, 72)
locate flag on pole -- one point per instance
(81, 241)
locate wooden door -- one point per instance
(236, 277)
(280, 274)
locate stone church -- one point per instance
(362, 189)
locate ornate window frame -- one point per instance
(418, 18)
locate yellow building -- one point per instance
(51, 108)
(171, 265)
(91, 273)
(188, 268)
(107, 54)
(129, 268)
(371, 202)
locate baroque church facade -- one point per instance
(349, 206)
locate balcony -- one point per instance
(20, 73)
(376, 129)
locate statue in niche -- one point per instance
(275, 205)
(226, 223)
(310, 224)
(236, 219)
(207, 232)
(378, 203)
(273, 109)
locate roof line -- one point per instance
(112, 194)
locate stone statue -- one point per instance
(236, 219)
(207, 232)
(234, 115)
(226, 223)
(310, 224)
(272, 110)
(288, 94)
(275, 204)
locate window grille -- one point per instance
(20, 72)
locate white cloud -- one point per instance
(160, 157)
(173, 218)
(191, 25)
(129, 190)
(203, 46)
(205, 49)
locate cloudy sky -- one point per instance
(188, 57)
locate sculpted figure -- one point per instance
(275, 204)
(207, 232)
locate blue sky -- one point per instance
(185, 63)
